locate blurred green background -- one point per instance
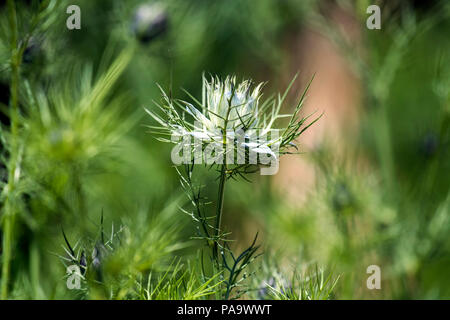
(371, 186)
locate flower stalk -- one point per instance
(220, 200)
(9, 211)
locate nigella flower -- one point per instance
(232, 118)
(263, 292)
(276, 284)
(149, 22)
(227, 105)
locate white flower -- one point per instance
(227, 106)
(231, 118)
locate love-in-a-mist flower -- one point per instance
(228, 106)
(232, 118)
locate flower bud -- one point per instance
(149, 22)
(33, 50)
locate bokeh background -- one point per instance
(370, 187)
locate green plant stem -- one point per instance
(7, 248)
(223, 176)
(219, 210)
(9, 213)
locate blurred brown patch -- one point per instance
(334, 92)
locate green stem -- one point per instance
(7, 249)
(219, 210)
(223, 176)
(221, 193)
(9, 199)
